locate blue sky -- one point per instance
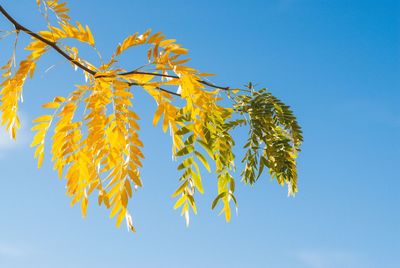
(336, 63)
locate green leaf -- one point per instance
(207, 148)
(203, 160)
(185, 150)
(197, 182)
(192, 203)
(185, 163)
(215, 202)
(184, 130)
(189, 140)
(234, 199)
(263, 163)
(180, 189)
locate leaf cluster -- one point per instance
(274, 138)
(94, 131)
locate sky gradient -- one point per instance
(336, 63)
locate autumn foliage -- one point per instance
(99, 151)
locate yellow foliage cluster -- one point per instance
(100, 150)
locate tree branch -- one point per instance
(52, 44)
(173, 76)
(159, 88)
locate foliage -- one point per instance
(99, 149)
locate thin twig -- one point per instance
(159, 88)
(52, 44)
(173, 76)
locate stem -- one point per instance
(173, 76)
(159, 88)
(52, 44)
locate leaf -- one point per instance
(40, 159)
(185, 163)
(180, 189)
(84, 204)
(206, 74)
(180, 201)
(120, 217)
(166, 42)
(207, 148)
(263, 163)
(100, 197)
(42, 118)
(128, 188)
(185, 150)
(117, 207)
(234, 199)
(51, 105)
(227, 211)
(157, 114)
(59, 99)
(193, 204)
(90, 36)
(183, 131)
(129, 222)
(215, 202)
(40, 126)
(197, 182)
(165, 124)
(203, 160)
(38, 138)
(39, 154)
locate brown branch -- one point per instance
(167, 91)
(159, 88)
(52, 44)
(174, 76)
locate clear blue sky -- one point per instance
(336, 63)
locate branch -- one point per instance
(174, 76)
(159, 88)
(52, 44)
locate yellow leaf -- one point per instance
(106, 201)
(206, 74)
(157, 114)
(203, 161)
(90, 36)
(115, 209)
(124, 199)
(180, 201)
(227, 210)
(166, 42)
(180, 51)
(39, 138)
(197, 182)
(120, 217)
(39, 150)
(100, 197)
(84, 204)
(42, 118)
(140, 78)
(128, 188)
(59, 99)
(51, 105)
(40, 126)
(134, 176)
(129, 222)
